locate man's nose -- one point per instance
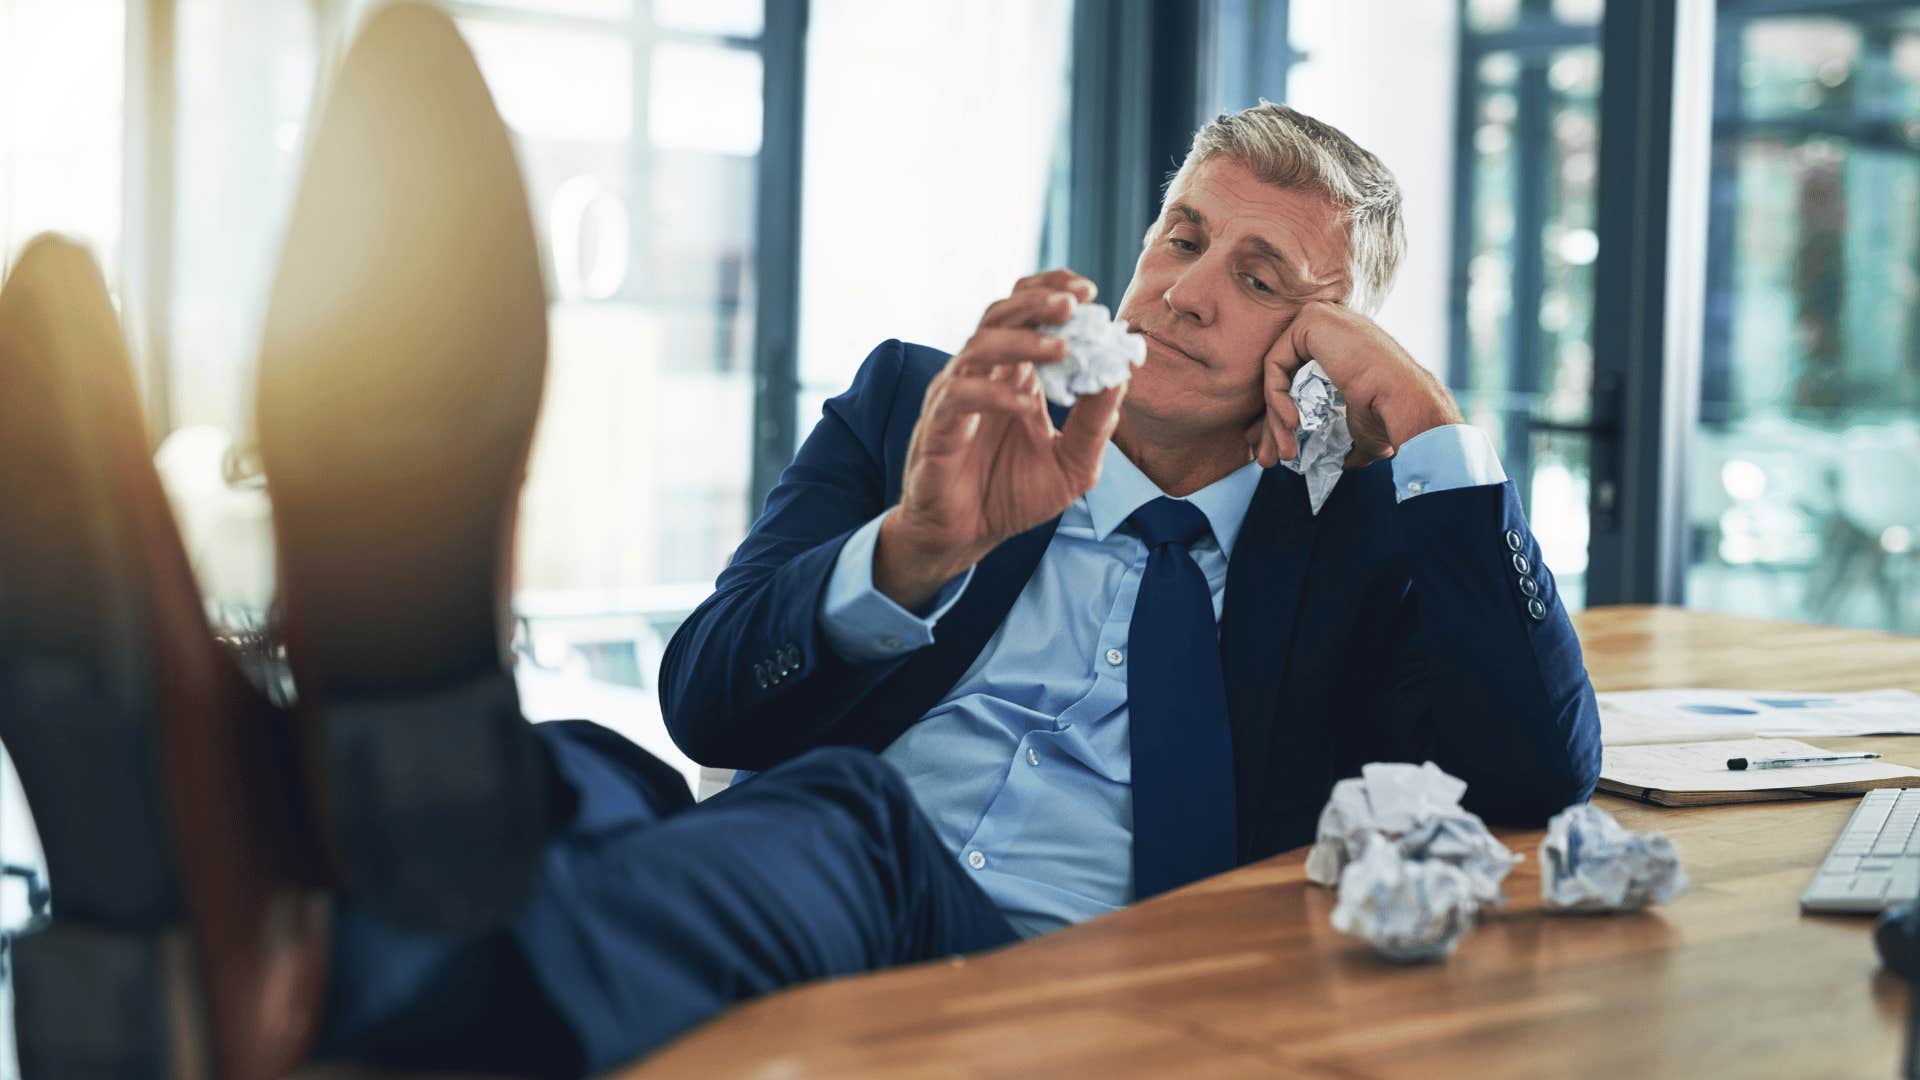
(1191, 295)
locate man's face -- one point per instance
(1229, 264)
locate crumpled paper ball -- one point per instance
(1461, 839)
(1403, 802)
(1324, 438)
(1408, 909)
(1590, 862)
(1101, 354)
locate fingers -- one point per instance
(1288, 354)
(1059, 280)
(1281, 406)
(1273, 440)
(1040, 299)
(1279, 425)
(996, 346)
(1030, 307)
(956, 400)
(1361, 456)
(1083, 438)
(978, 395)
(1271, 436)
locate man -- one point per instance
(1018, 608)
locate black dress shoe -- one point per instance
(401, 373)
(189, 924)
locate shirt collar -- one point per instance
(1123, 488)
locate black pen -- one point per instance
(1740, 763)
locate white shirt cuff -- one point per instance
(859, 621)
(1443, 459)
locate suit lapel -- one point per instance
(1264, 579)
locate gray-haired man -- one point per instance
(1019, 610)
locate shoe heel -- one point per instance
(99, 1004)
(440, 801)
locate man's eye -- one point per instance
(1257, 283)
(1183, 245)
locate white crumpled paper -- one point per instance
(1409, 909)
(1461, 839)
(1101, 354)
(1323, 438)
(1413, 866)
(1415, 806)
(1590, 862)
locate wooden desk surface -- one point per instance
(1242, 974)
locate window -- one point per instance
(935, 148)
(640, 166)
(1486, 111)
(1521, 301)
(244, 75)
(1246, 54)
(1804, 479)
(62, 110)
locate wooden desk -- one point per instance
(1242, 975)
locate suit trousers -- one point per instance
(651, 914)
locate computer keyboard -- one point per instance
(1875, 864)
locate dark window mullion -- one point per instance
(776, 254)
(1524, 337)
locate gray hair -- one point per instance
(1287, 148)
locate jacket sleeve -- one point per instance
(749, 679)
(1488, 681)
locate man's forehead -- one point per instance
(1289, 224)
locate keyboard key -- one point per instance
(1868, 887)
(1906, 882)
(1841, 864)
(1830, 886)
(1877, 866)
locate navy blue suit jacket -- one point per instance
(1375, 631)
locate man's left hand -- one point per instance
(1390, 397)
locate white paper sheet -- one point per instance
(1693, 715)
(1703, 766)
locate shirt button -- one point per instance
(1415, 487)
(1033, 756)
(1115, 656)
(1513, 540)
(1520, 563)
(1528, 587)
(976, 860)
(890, 642)
(1536, 609)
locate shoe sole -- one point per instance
(401, 374)
(109, 989)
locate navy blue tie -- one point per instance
(1183, 810)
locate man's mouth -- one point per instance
(1169, 346)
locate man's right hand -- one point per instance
(985, 462)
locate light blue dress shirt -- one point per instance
(1023, 767)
